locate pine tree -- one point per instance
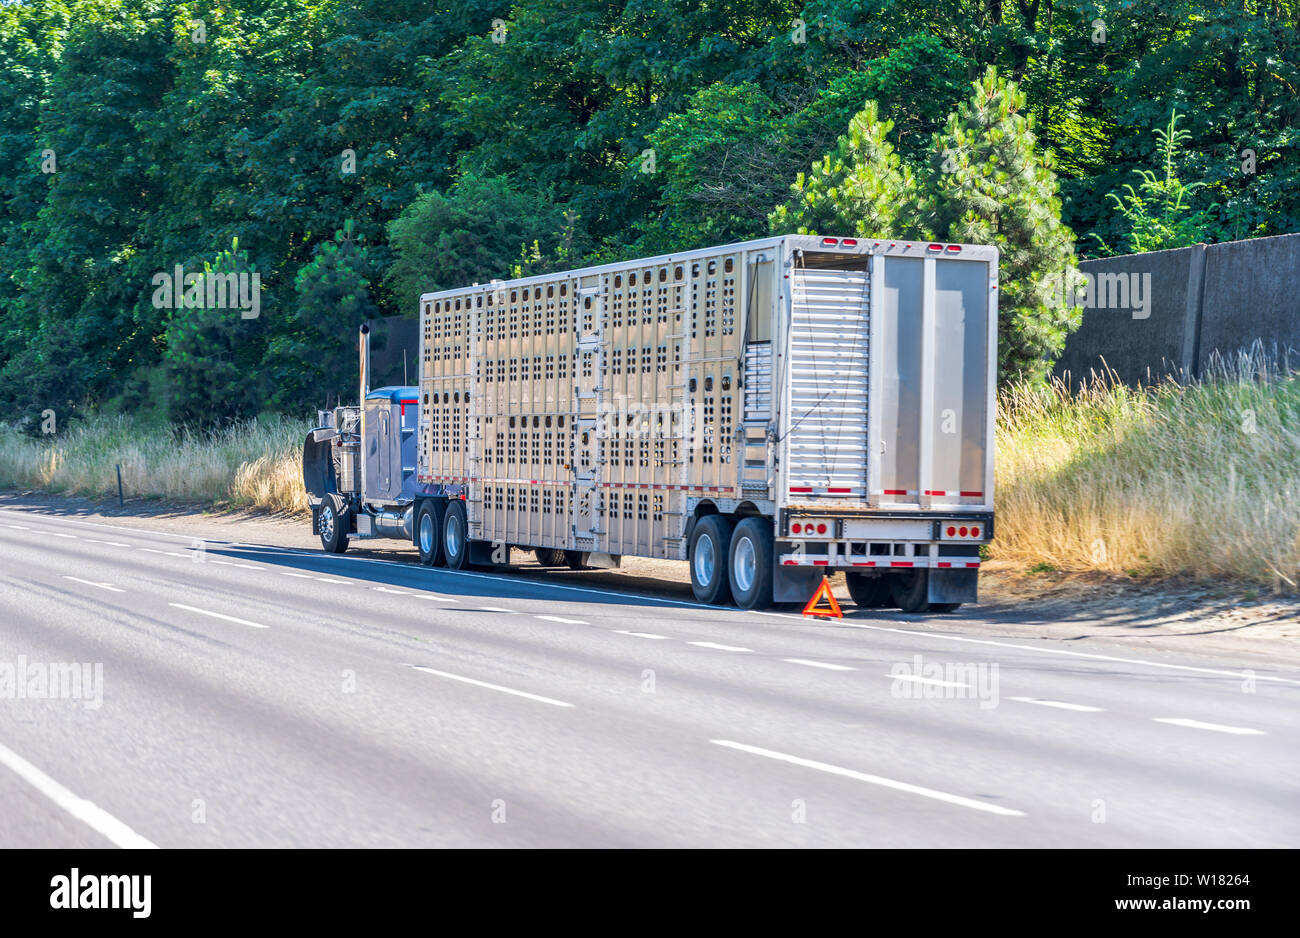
(989, 185)
(214, 352)
(860, 188)
(313, 358)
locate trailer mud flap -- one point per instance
(954, 586)
(791, 584)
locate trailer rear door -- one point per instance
(932, 386)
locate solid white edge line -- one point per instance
(103, 586)
(1058, 704)
(219, 615)
(871, 779)
(1216, 727)
(497, 687)
(85, 811)
(819, 664)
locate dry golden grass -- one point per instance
(1201, 481)
(254, 464)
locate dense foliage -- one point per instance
(461, 141)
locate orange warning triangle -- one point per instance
(823, 592)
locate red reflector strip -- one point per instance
(839, 491)
(895, 491)
(935, 492)
(802, 489)
(900, 563)
(972, 494)
(943, 564)
(820, 563)
(790, 563)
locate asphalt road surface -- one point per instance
(244, 695)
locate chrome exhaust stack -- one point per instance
(361, 403)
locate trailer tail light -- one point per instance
(850, 242)
(830, 242)
(935, 247)
(961, 532)
(797, 528)
(821, 528)
(953, 249)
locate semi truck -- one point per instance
(768, 412)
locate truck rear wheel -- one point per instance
(428, 534)
(710, 546)
(869, 592)
(455, 536)
(550, 556)
(911, 590)
(750, 567)
(335, 522)
(576, 559)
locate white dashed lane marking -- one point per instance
(819, 664)
(219, 615)
(1216, 727)
(496, 687)
(718, 647)
(563, 620)
(1058, 704)
(104, 586)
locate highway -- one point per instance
(254, 696)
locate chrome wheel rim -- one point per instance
(327, 523)
(744, 564)
(706, 560)
(451, 536)
(426, 533)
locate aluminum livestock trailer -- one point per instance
(769, 412)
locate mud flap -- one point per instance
(954, 586)
(794, 584)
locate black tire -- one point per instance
(551, 556)
(869, 592)
(944, 607)
(455, 536)
(749, 564)
(428, 534)
(710, 548)
(576, 559)
(911, 590)
(335, 523)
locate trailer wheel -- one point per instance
(750, 567)
(428, 535)
(911, 590)
(455, 536)
(576, 559)
(710, 546)
(551, 556)
(944, 607)
(869, 592)
(335, 520)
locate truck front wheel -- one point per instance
(709, 549)
(335, 520)
(750, 564)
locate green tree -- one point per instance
(479, 230)
(861, 187)
(214, 353)
(313, 357)
(989, 184)
(1159, 215)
